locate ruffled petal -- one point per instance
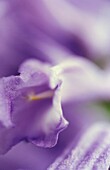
(33, 107)
(92, 151)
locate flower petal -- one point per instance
(94, 38)
(34, 107)
(91, 152)
(82, 80)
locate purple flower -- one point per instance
(31, 102)
(30, 107)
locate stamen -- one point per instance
(40, 96)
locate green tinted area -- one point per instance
(105, 105)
